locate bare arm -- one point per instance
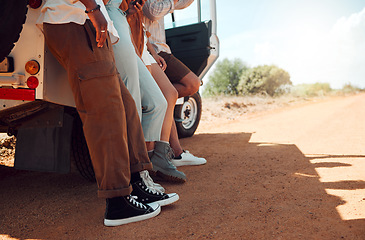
(98, 20)
(160, 61)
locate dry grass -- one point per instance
(7, 151)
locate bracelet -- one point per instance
(93, 10)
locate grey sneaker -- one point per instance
(162, 166)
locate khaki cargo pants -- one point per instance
(110, 120)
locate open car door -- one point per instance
(191, 34)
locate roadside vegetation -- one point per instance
(235, 78)
(235, 90)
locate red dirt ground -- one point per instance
(294, 172)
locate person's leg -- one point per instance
(94, 79)
(145, 92)
(183, 79)
(174, 140)
(124, 54)
(128, 63)
(102, 127)
(170, 94)
(182, 157)
(154, 104)
(136, 144)
(143, 186)
(186, 84)
(176, 72)
(162, 154)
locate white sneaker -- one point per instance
(186, 158)
(150, 183)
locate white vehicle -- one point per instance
(36, 102)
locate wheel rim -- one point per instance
(189, 112)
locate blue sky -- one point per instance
(314, 40)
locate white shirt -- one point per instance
(67, 11)
(154, 12)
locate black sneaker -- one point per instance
(123, 210)
(148, 195)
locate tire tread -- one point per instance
(12, 17)
(80, 151)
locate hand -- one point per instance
(135, 6)
(101, 25)
(161, 62)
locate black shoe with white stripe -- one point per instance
(147, 191)
(123, 210)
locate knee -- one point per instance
(193, 84)
(160, 105)
(196, 84)
(155, 105)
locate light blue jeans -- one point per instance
(138, 80)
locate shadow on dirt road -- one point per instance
(246, 191)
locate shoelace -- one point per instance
(170, 155)
(152, 191)
(170, 152)
(132, 199)
(150, 184)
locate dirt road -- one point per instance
(291, 173)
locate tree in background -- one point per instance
(268, 79)
(225, 77)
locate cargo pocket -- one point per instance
(100, 87)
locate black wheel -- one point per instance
(80, 151)
(12, 17)
(190, 112)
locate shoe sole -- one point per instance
(173, 197)
(160, 172)
(179, 163)
(118, 222)
(168, 178)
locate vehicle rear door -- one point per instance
(191, 35)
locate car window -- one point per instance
(190, 15)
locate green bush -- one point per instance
(225, 77)
(264, 79)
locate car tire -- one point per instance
(12, 17)
(190, 113)
(80, 151)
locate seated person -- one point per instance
(147, 95)
(77, 35)
(181, 157)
